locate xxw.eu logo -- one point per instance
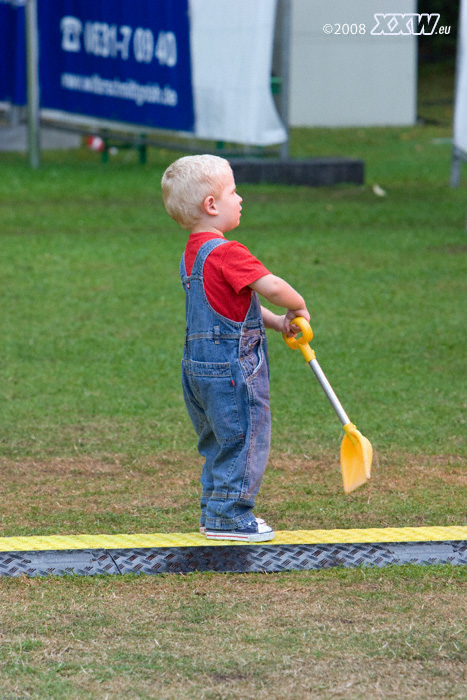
(409, 24)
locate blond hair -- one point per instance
(188, 181)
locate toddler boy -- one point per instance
(225, 373)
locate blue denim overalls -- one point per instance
(225, 378)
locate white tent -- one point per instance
(231, 48)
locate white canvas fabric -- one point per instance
(231, 58)
(460, 112)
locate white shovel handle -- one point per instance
(329, 391)
(302, 343)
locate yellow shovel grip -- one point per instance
(302, 341)
(350, 430)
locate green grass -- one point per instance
(92, 312)
(94, 436)
(341, 634)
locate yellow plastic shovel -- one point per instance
(356, 450)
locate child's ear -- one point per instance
(209, 206)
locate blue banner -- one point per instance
(121, 60)
(12, 52)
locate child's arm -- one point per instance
(280, 293)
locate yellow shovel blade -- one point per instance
(356, 458)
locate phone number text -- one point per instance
(113, 41)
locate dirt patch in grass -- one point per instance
(161, 493)
(95, 494)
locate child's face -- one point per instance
(228, 205)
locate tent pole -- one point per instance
(456, 168)
(457, 155)
(32, 58)
(286, 14)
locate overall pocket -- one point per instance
(213, 390)
(252, 356)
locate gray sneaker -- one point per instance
(253, 532)
(202, 528)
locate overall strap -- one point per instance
(202, 254)
(182, 267)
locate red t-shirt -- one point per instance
(228, 271)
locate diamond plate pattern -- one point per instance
(235, 559)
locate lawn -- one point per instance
(343, 634)
(95, 438)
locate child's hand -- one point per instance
(277, 323)
(291, 330)
(281, 324)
